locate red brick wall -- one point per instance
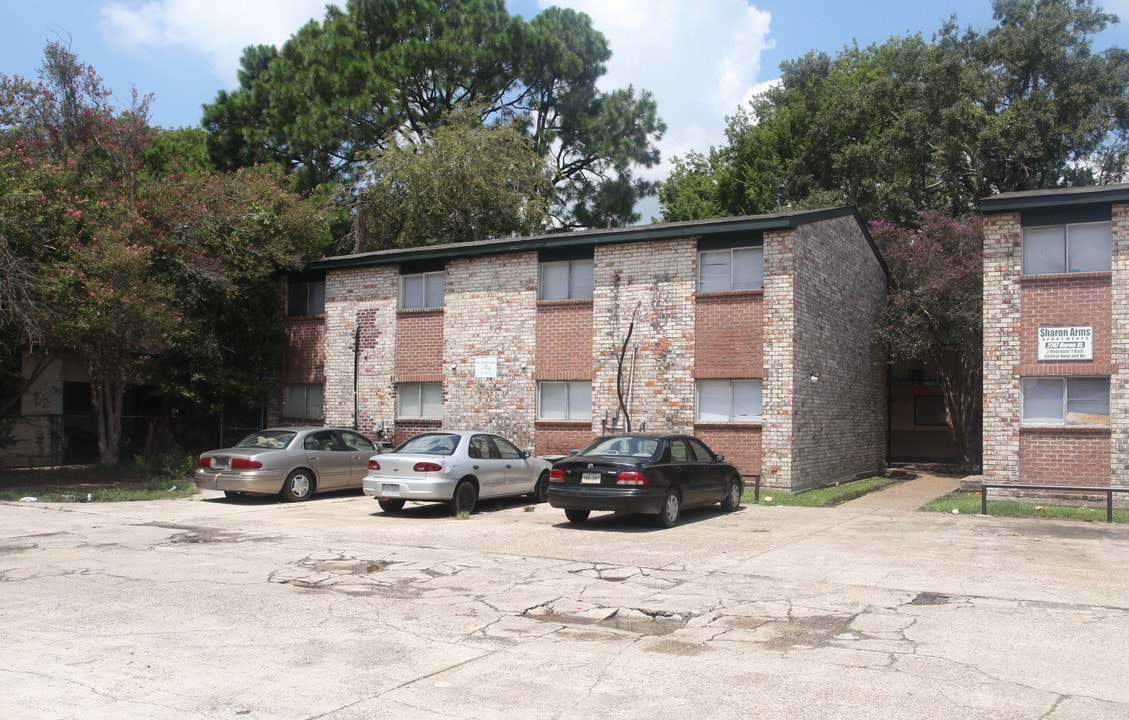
(1064, 300)
(740, 444)
(729, 335)
(407, 428)
(1064, 456)
(564, 352)
(305, 350)
(419, 346)
(729, 344)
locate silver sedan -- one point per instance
(292, 462)
(457, 467)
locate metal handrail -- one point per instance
(756, 485)
(1109, 491)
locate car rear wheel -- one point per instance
(541, 489)
(299, 486)
(672, 507)
(391, 506)
(576, 516)
(732, 499)
(465, 498)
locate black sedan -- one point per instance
(653, 474)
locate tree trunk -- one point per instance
(962, 386)
(107, 395)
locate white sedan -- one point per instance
(457, 467)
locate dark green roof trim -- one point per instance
(638, 233)
(1059, 197)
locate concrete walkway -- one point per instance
(907, 496)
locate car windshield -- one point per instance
(430, 444)
(272, 439)
(637, 447)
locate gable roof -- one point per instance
(584, 238)
(1057, 197)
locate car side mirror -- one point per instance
(574, 451)
(718, 458)
(524, 454)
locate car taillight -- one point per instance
(204, 462)
(244, 464)
(631, 478)
(373, 465)
(556, 475)
(427, 467)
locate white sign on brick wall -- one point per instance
(486, 367)
(1066, 343)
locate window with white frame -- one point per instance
(566, 279)
(730, 401)
(1080, 247)
(564, 400)
(422, 290)
(1065, 400)
(303, 401)
(740, 268)
(419, 400)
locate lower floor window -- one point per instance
(564, 400)
(419, 400)
(1066, 400)
(730, 401)
(303, 401)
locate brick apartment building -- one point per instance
(752, 333)
(1056, 337)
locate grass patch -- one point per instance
(155, 478)
(823, 497)
(969, 502)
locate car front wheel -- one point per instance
(732, 499)
(465, 498)
(672, 507)
(299, 485)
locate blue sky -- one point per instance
(701, 59)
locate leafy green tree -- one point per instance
(908, 126)
(119, 251)
(469, 182)
(380, 69)
(934, 314)
(221, 241)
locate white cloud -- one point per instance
(701, 60)
(218, 29)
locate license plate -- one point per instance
(390, 489)
(221, 463)
(590, 478)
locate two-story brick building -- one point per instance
(1056, 337)
(752, 333)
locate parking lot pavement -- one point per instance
(330, 609)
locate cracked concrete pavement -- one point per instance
(210, 608)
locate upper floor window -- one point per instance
(740, 268)
(1065, 400)
(566, 279)
(730, 400)
(422, 290)
(564, 400)
(1079, 247)
(305, 298)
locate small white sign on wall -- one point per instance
(1066, 343)
(486, 367)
